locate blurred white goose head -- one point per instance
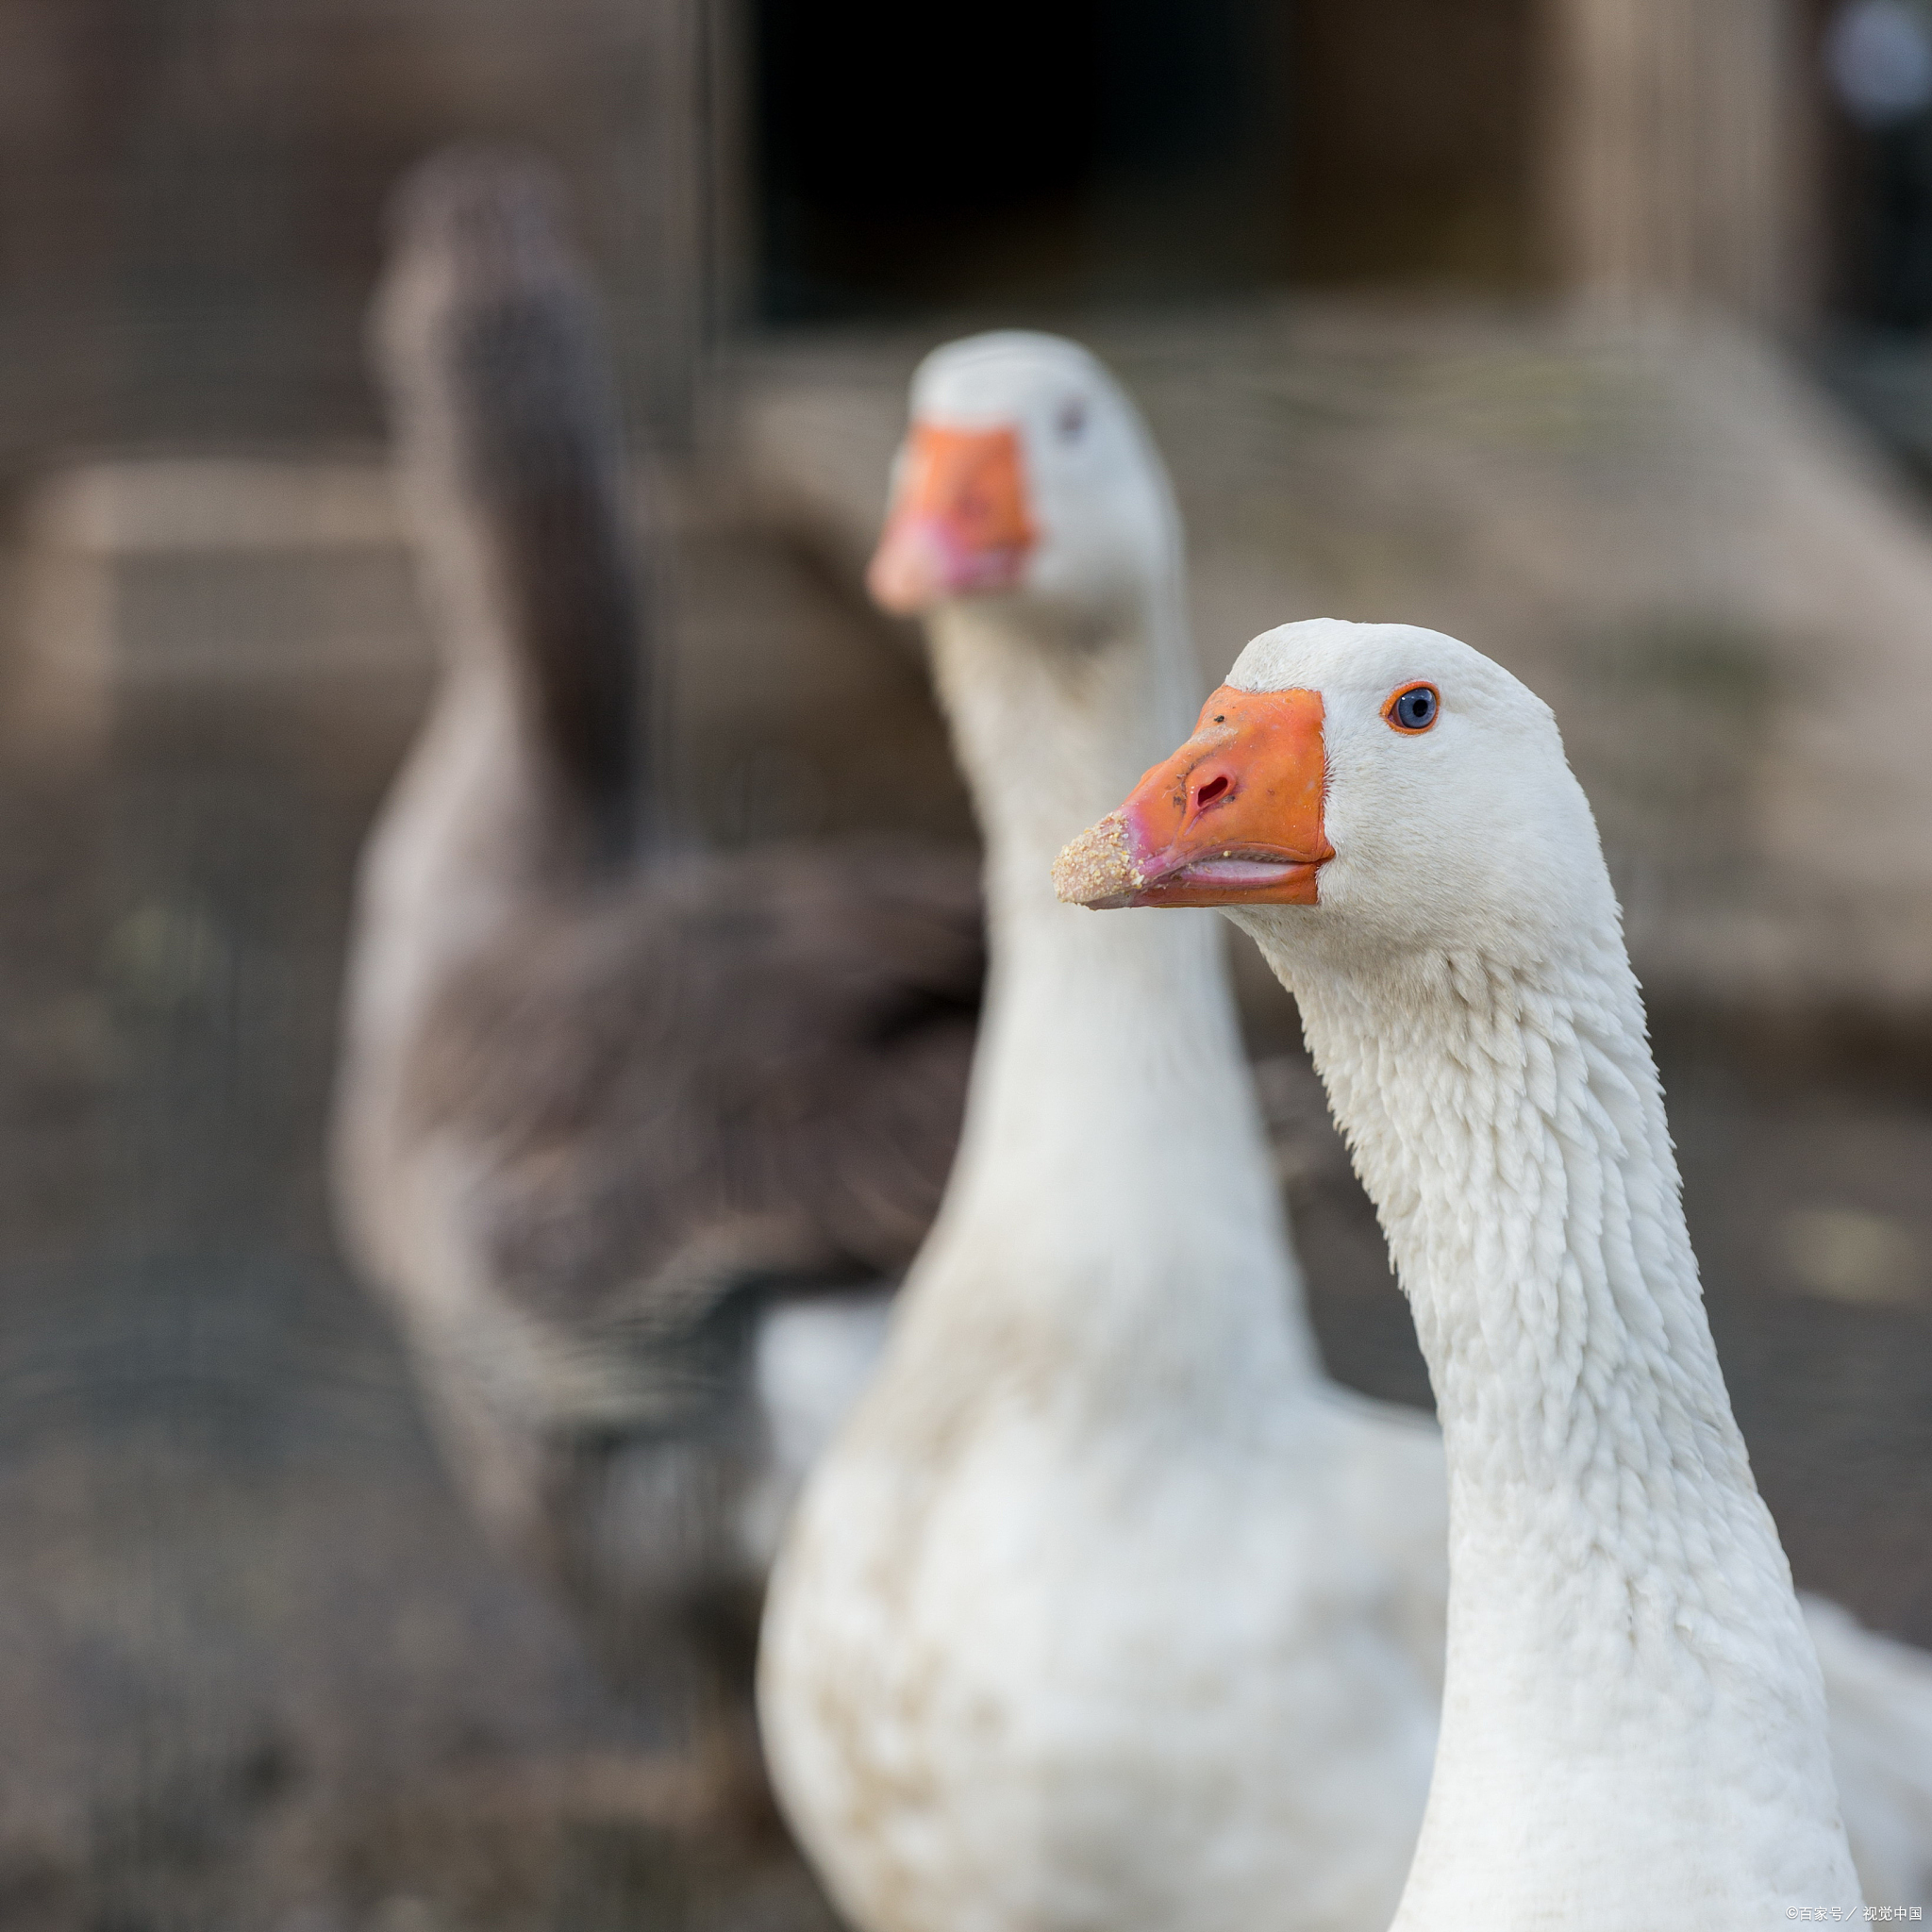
(1028, 477)
(1361, 790)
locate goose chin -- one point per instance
(1109, 866)
(1232, 881)
(922, 562)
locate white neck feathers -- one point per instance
(1633, 1725)
(1111, 1221)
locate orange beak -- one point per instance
(1233, 818)
(958, 523)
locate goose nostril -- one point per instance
(1214, 788)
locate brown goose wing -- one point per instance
(744, 1072)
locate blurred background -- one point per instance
(1596, 331)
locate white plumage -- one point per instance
(1633, 1721)
(1108, 1608)
(1105, 1608)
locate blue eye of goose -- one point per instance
(1415, 709)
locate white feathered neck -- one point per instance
(1634, 1724)
(1111, 1230)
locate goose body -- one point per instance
(633, 1139)
(1050, 1640)
(1105, 1607)
(1634, 1723)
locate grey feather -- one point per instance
(600, 1109)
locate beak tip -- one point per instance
(1097, 869)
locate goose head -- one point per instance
(1358, 788)
(1027, 480)
(477, 234)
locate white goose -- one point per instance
(1634, 1727)
(1105, 1608)
(1004, 1669)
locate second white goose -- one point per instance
(1107, 1608)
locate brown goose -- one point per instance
(634, 1141)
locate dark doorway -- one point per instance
(1022, 149)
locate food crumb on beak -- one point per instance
(1097, 869)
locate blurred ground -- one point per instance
(255, 1669)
